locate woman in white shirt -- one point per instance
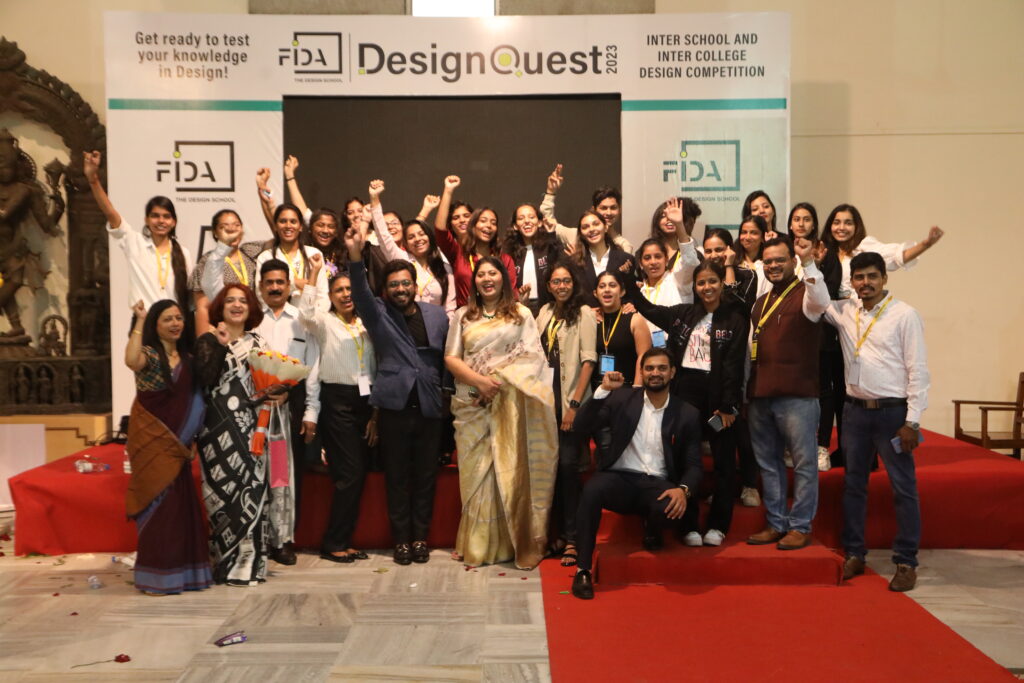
(534, 251)
(158, 265)
(289, 246)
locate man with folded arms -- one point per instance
(783, 389)
(887, 390)
(652, 466)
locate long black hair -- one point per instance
(435, 262)
(181, 292)
(809, 208)
(151, 339)
(300, 240)
(515, 244)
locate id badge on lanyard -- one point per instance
(607, 363)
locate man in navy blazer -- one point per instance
(408, 338)
(653, 465)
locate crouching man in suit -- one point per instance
(653, 465)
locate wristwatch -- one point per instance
(686, 490)
(916, 426)
(573, 403)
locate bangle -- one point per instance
(288, 180)
(136, 331)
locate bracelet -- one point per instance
(288, 180)
(136, 331)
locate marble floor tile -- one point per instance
(412, 645)
(526, 643)
(443, 577)
(425, 608)
(517, 673)
(452, 674)
(1001, 643)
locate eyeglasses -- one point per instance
(395, 284)
(561, 281)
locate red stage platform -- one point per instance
(970, 498)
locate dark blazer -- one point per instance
(400, 363)
(616, 257)
(621, 409)
(543, 260)
(730, 327)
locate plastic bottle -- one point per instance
(94, 582)
(88, 465)
(127, 463)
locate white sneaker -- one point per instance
(787, 458)
(713, 537)
(693, 539)
(749, 497)
(824, 462)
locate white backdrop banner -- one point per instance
(195, 100)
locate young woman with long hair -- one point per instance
(568, 329)
(289, 245)
(504, 424)
(597, 253)
(758, 203)
(533, 250)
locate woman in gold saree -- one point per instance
(504, 424)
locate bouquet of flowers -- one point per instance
(272, 373)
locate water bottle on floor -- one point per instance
(94, 582)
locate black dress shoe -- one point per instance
(583, 585)
(403, 554)
(284, 555)
(420, 552)
(347, 558)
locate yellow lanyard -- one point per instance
(767, 314)
(356, 339)
(293, 266)
(608, 339)
(863, 337)
(427, 273)
(656, 289)
(552, 330)
(163, 267)
(243, 274)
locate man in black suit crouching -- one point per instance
(653, 465)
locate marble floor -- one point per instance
(371, 620)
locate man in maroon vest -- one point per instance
(783, 389)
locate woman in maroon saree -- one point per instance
(173, 553)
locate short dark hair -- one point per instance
(275, 264)
(657, 351)
(865, 260)
(604, 192)
(780, 239)
(395, 265)
(217, 307)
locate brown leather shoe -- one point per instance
(766, 536)
(793, 540)
(853, 566)
(905, 578)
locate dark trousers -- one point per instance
(568, 484)
(693, 388)
(296, 409)
(832, 395)
(866, 432)
(626, 493)
(343, 417)
(408, 451)
(749, 469)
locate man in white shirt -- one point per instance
(652, 465)
(887, 390)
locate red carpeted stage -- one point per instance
(970, 498)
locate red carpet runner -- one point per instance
(856, 632)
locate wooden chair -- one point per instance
(988, 439)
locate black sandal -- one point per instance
(569, 555)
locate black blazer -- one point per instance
(543, 260)
(680, 431)
(730, 327)
(616, 257)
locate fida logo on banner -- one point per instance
(312, 53)
(705, 165)
(199, 166)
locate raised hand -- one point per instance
(612, 380)
(820, 250)
(222, 334)
(570, 249)
(430, 202)
(139, 310)
(804, 250)
(290, 164)
(451, 182)
(549, 223)
(91, 165)
(770, 235)
(262, 177)
(230, 234)
(934, 235)
(354, 240)
(316, 262)
(524, 292)
(674, 211)
(730, 256)
(376, 188)
(555, 180)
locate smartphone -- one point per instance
(716, 423)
